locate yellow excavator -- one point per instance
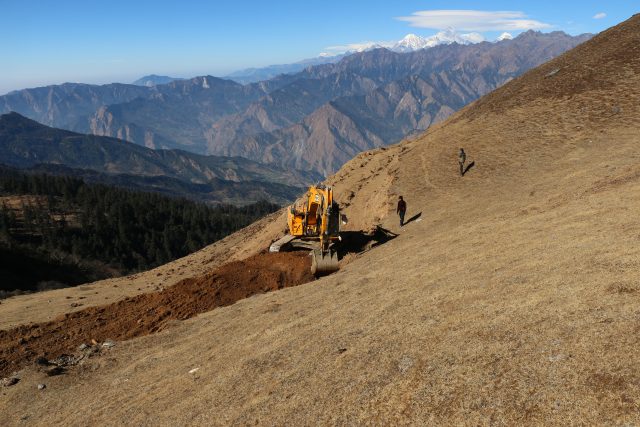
(314, 223)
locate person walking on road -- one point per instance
(401, 210)
(462, 157)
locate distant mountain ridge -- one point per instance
(25, 143)
(256, 74)
(409, 43)
(314, 119)
(375, 98)
(69, 105)
(174, 115)
(413, 42)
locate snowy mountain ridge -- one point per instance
(412, 42)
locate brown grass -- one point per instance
(512, 302)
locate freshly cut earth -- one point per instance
(511, 297)
(152, 312)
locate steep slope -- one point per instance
(25, 143)
(538, 122)
(512, 299)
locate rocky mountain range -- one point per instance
(69, 105)
(409, 43)
(315, 119)
(27, 144)
(375, 98)
(413, 42)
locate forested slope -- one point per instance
(82, 231)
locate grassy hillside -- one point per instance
(512, 300)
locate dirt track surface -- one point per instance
(148, 313)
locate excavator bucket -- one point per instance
(323, 263)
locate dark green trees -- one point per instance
(127, 230)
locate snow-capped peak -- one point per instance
(409, 43)
(412, 42)
(504, 36)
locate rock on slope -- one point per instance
(513, 300)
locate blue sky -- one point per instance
(50, 42)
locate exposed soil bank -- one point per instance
(147, 313)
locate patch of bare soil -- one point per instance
(144, 314)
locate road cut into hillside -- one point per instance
(152, 312)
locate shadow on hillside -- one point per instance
(413, 218)
(360, 241)
(469, 166)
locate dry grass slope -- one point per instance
(515, 300)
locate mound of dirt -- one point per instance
(144, 314)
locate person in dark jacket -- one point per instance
(401, 210)
(462, 157)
